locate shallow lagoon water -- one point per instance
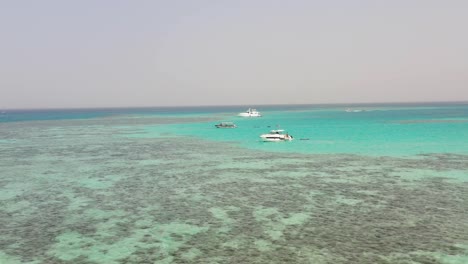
(174, 189)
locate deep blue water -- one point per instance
(409, 110)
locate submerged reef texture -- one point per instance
(84, 192)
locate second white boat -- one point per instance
(276, 135)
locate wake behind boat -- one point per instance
(250, 113)
(276, 135)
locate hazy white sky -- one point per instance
(91, 53)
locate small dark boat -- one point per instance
(226, 125)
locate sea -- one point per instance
(367, 183)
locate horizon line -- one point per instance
(234, 105)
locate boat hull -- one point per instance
(219, 126)
(249, 115)
(276, 138)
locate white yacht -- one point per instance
(276, 135)
(250, 113)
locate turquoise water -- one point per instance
(163, 185)
(378, 131)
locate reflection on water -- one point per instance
(84, 192)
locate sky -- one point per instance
(110, 53)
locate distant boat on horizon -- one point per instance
(349, 110)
